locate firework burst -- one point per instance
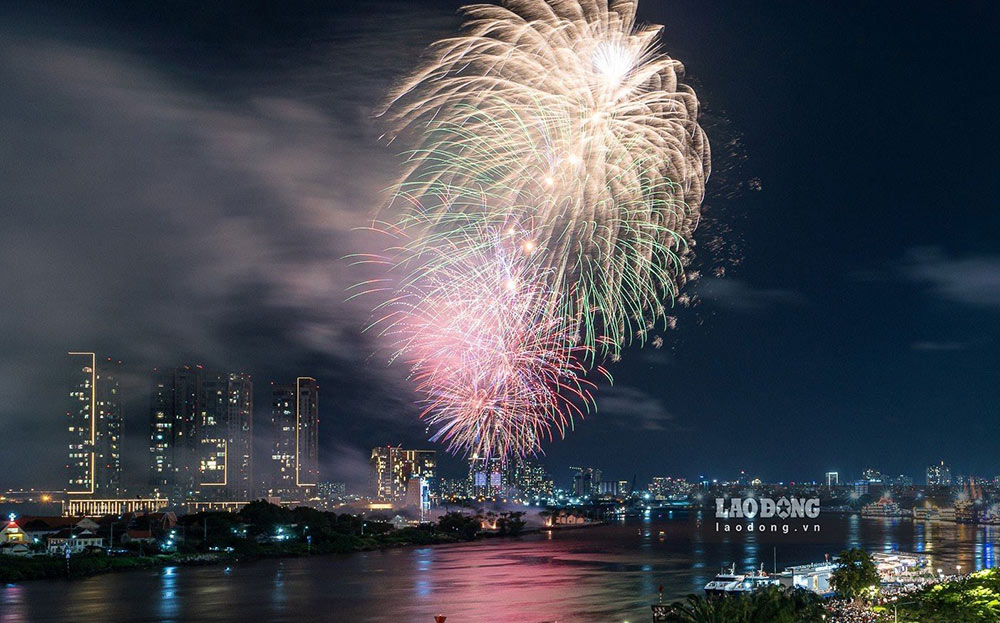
(563, 121)
(498, 374)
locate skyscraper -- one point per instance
(586, 480)
(201, 429)
(240, 458)
(295, 437)
(939, 475)
(109, 429)
(487, 477)
(82, 425)
(392, 468)
(94, 425)
(529, 478)
(225, 437)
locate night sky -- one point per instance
(181, 182)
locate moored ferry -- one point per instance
(884, 507)
(732, 583)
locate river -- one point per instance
(591, 575)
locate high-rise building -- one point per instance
(873, 476)
(529, 478)
(109, 429)
(225, 437)
(453, 488)
(82, 425)
(832, 479)
(331, 492)
(201, 435)
(295, 437)
(240, 458)
(161, 434)
(487, 477)
(586, 481)
(94, 465)
(939, 475)
(392, 469)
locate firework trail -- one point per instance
(497, 373)
(563, 120)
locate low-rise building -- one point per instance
(75, 541)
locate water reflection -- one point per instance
(608, 573)
(168, 605)
(12, 605)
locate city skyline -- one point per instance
(852, 321)
(213, 401)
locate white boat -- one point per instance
(813, 577)
(732, 583)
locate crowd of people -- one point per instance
(845, 611)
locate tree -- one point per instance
(510, 523)
(773, 604)
(459, 525)
(855, 573)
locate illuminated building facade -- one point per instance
(94, 464)
(240, 460)
(939, 475)
(586, 481)
(295, 437)
(530, 479)
(82, 426)
(393, 468)
(487, 477)
(201, 435)
(225, 437)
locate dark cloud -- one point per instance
(972, 280)
(633, 409)
(742, 296)
(165, 216)
(939, 346)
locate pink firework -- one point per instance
(498, 370)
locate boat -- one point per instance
(945, 514)
(732, 583)
(965, 511)
(990, 516)
(884, 507)
(813, 577)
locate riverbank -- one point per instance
(15, 569)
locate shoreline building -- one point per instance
(295, 438)
(94, 464)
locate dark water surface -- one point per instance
(592, 575)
